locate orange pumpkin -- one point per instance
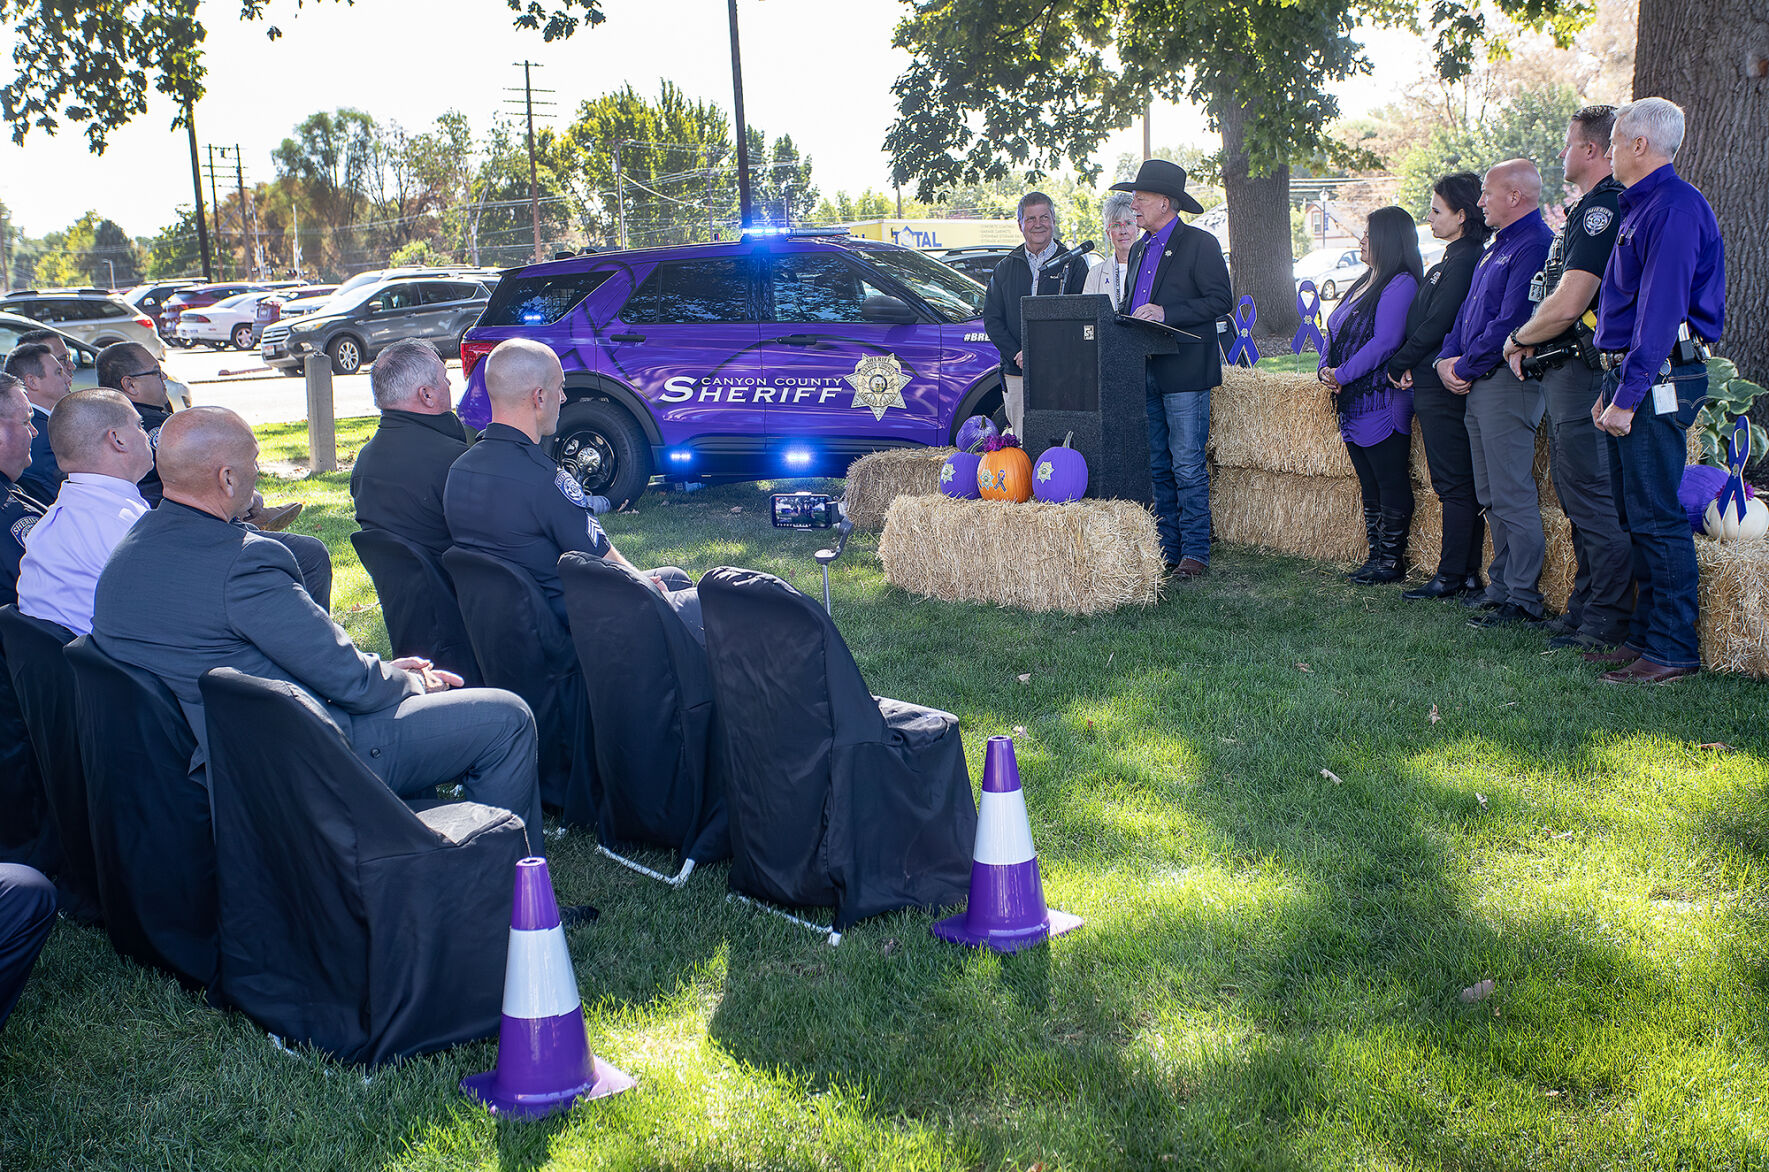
(1005, 472)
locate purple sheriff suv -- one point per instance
(772, 356)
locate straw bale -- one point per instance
(1425, 543)
(1317, 517)
(1734, 625)
(1081, 558)
(1276, 422)
(875, 481)
(1561, 565)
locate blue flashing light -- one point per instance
(798, 457)
(681, 456)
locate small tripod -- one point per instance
(826, 556)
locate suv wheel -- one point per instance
(242, 337)
(346, 354)
(603, 449)
(1328, 290)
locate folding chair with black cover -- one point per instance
(44, 685)
(417, 602)
(350, 921)
(153, 843)
(837, 798)
(523, 648)
(651, 708)
(27, 832)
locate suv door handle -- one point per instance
(798, 340)
(626, 337)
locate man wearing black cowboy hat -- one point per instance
(1177, 277)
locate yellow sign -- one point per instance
(935, 235)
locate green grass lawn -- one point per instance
(1272, 967)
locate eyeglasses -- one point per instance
(158, 371)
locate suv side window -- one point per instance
(439, 292)
(818, 287)
(693, 292)
(397, 297)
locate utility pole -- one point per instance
(711, 232)
(214, 200)
(1147, 151)
(295, 206)
(239, 171)
(742, 128)
(899, 188)
(620, 195)
(196, 183)
(528, 103)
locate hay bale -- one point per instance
(1561, 565)
(1317, 517)
(1425, 543)
(1276, 422)
(875, 481)
(1081, 558)
(1734, 624)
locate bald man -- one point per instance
(411, 723)
(100, 443)
(1503, 409)
(505, 497)
(19, 511)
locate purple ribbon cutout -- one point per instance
(1738, 456)
(1245, 315)
(1308, 306)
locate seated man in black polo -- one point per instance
(506, 498)
(400, 473)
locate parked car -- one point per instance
(783, 355)
(298, 302)
(150, 298)
(978, 263)
(1333, 270)
(231, 321)
(95, 316)
(198, 296)
(13, 326)
(354, 326)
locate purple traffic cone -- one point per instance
(1006, 909)
(544, 1060)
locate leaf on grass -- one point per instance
(1717, 746)
(1019, 730)
(1305, 667)
(1481, 798)
(1551, 1094)
(890, 946)
(1434, 716)
(1332, 777)
(1477, 992)
(736, 508)
(1025, 677)
(1562, 834)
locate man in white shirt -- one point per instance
(99, 442)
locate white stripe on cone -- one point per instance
(538, 979)
(1003, 835)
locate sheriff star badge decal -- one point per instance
(878, 383)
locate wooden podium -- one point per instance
(1086, 373)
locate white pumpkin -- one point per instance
(1730, 528)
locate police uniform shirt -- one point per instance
(1587, 238)
(16, 520)
(400, 475)
(506, 498)
(151, 420)
(42, 477)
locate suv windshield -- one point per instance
(952, 295)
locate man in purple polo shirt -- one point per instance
(1177, 277)
(1503, 410)
(1663, 297)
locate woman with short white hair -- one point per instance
(1108, 276)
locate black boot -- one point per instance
(1373, 531)
(1391, 548)
(1442, 586)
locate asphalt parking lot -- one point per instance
(238, 380)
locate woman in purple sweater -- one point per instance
(1375, 418)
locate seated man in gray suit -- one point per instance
(245, 608)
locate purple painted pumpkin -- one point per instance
(973, 431)
(1060, 475)
(958, 476)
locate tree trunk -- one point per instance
(1714, 62)
(1259, 228)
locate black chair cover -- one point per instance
(27, 830)
(651, 708)
(417, 602)
(348, 921)
(837, 798)
(153, 845)
(44, 685)
(523, 648)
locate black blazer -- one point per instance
(1434, 311)
(1192, 288)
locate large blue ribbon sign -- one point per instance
(1737, 458)
(1308, 305)
(1245, 316)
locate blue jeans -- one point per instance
(1179, 425)
(1645, 469)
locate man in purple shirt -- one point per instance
(1663, 295)
(1503, 410)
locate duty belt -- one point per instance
(1611, 358)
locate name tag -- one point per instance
(1664, 399)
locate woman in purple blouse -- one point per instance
(1375, 418)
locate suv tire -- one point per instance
(600, 445)
(346, 354)
(242, 336)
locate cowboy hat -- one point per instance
(1162, 178)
